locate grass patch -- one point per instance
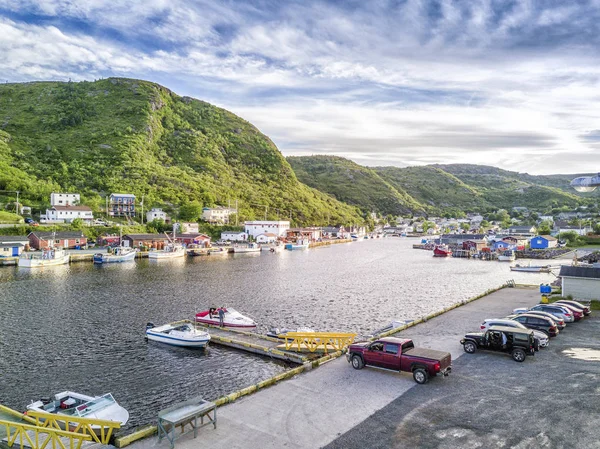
(9, 217)
(594, 303)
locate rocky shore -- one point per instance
(552, 253)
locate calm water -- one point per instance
(81, 327)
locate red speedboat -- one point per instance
(442, 251)
(232, 318)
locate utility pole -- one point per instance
(266, 209)
(107, 208)
(18, 208)
(142, 204)
(237, 213)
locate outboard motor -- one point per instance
(149, 325)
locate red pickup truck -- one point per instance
(400, 355)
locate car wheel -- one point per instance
(518, 355)
(469, 347)
(420, 376)
(357, 362)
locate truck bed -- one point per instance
(425, 353)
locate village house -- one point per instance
(193, 238)
(518, 242)
(580, 282)
(543, 242)
(217, 215)
(476, 245)
(121, 205)
(66, 240)
(528, 231)
(66, 214)
(501, 245)
(333, 232)
(256, 228)
(234, 236)
(187, 227)
(156, 213)
(458, 239)
(579, 230)
(267, 237)
(64, 199)
(312, 234)
(12, 245)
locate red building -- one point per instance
(66, 240)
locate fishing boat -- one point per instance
(80, 405)
(507, 256)
(181, 333)
(118, 254)
(276, 332)
(249, 248)
(45, 258)
(442, 251)
(232, 318)
(300, 244)
(272, 248)
(218, 251)
(197, 250)
(532, 268)
(171, 250)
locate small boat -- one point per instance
(300, 244)
(118, 254)
(181, 333)
(272, 248)
(507, 256)
(249, 248)
(171, 250)
(218, 251)
(276, 332)
(232, 318)
(80, 405)
(442, 251)
(45, 258)
(532, 268)
(197, 250)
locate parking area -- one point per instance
(490, 401)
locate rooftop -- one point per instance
(580, 272)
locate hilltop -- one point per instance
(125, 135)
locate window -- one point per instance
(57, 242)
(391, 348)
(77, 242)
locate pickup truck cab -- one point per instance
(400, 355)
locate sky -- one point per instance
(513, 84)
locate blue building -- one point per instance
(543, 242)
(501, 245)
(121, 205)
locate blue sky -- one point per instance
(512, 84)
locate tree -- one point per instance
(77, 224)
(158, 225)
(597, 228)
(465, 226)
(545, 227)
(190, 211)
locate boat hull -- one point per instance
(216, 322)
(174, 341)
(39, 263)
(111, 258)
(292, 247)
(165, 255)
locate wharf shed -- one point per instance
(543, 242)
(580, 282)
(474, 244)
(66, 240)
(12, 246)
(137, 240)
(193, 237)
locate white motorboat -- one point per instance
(532, 268)
(300, 244)
(218, 251)
(44, 258)
(272, 248)
(181, 333)
(249, 248)
(171, 250)
(231, 318)
(118, 254)
(507, 256)
(80, 405)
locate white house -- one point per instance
(67, 214)
(234, 236)
(12, 246)
(187, 228)
(256, 228)
(579, 230)
(267, 237)
(219, 214)
(64, 199)
(580, 282)
(156, 213)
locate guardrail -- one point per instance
(34, 437)
(317, 341)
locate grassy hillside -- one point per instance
(353, 184)
(124, 135)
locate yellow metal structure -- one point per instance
(78, 425)
(34, 437)
(317, 341)
(18, 415)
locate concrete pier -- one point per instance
(314, 409)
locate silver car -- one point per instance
(556, 310)
(541, 338)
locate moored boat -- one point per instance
(220, 251)
(442, 251)
(507, 256)
(171, 250)
(197, 250)
(300, 244)
(231, 318)
(249, 248)
(44, 258)
(276, 332)
(532, 268)
(80, 405)
(119, 254)
(180, 333)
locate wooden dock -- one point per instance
(257, 344)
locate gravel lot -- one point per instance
(490, 401)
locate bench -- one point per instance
(185, 413)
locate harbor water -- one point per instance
(80, 327)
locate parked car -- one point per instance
(558, 311)
(541, 340)
(543, 324)
(517, 342)
(400, 355)
(560, 323)
(584, 308)
(29, 220)
(576, 311)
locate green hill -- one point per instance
(131, 136)
(353, 184)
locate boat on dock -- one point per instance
(232, 318)
(276, 332)
(249, 248)
(442, 251)
(80, 405)
(300, 244)
(532, 268)
(44, 258)
(118, 254)
(180, 333)
(507, 256)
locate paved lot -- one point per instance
(478, 405)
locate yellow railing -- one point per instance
(19, 415)
(39, 438)
(78, 425)
(317, 341)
